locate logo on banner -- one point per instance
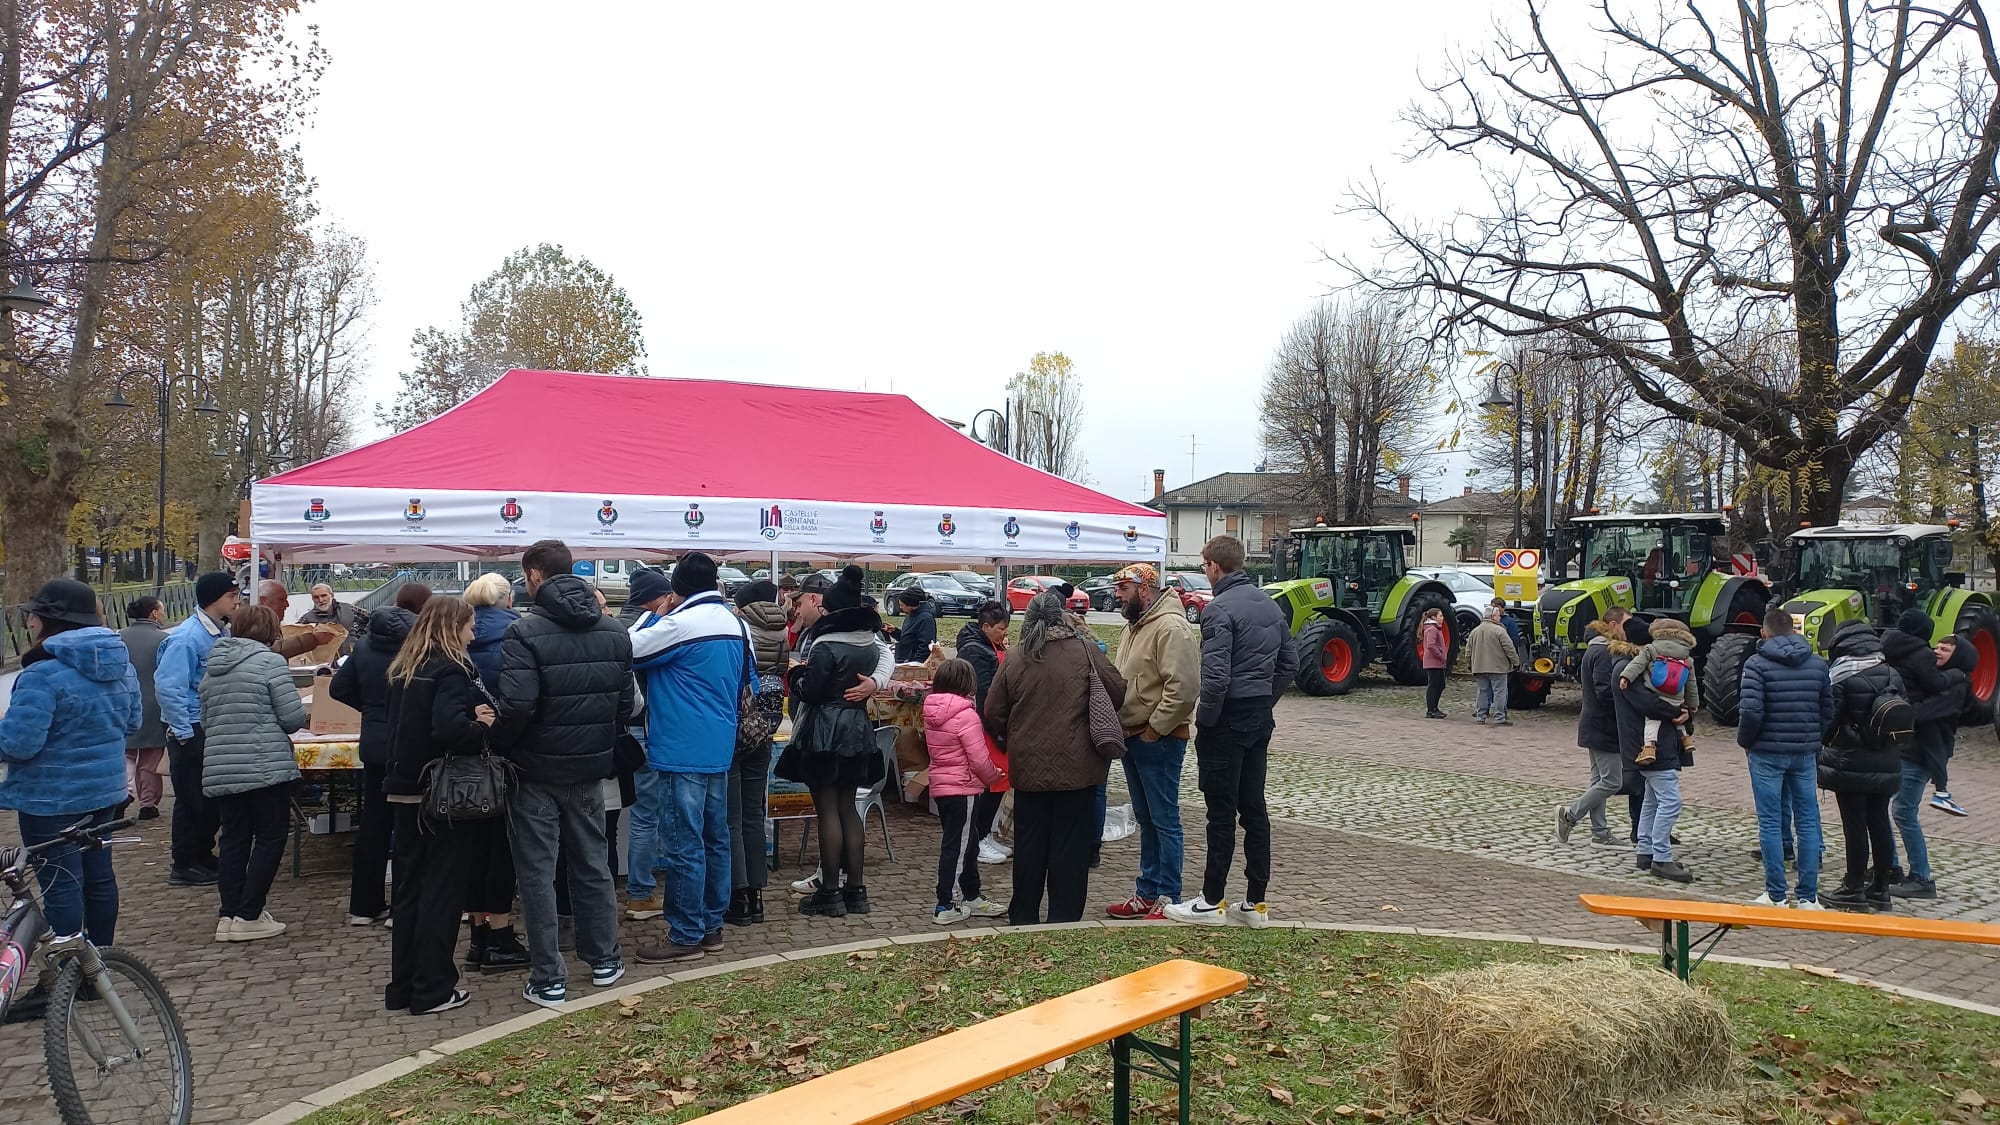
(1011, 529)
(947, 526)
(607, 514)
(510, 512)
(878, 527)
(777, 520)
(316, 512)
(1131, 536)
(414, 510)
(1074, 531)
(693, 519)
(771, 521)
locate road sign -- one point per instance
(1743, 564)
(1503, 560)
(1528, 561)
(1515, 573)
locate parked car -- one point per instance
(1194, 590)
(1022, 590)
(972, 580)
(1103, 599)
(729, 580)
(951, 597)
(1470, 594)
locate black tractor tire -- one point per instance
(1527, 691)
(1405, 658)
(1330, 657)
(1980, 623)
(1722, 676)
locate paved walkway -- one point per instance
(1385, 818)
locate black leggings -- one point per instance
(489, 881)
(1864, 825)
(841, 836)
(1434, 692)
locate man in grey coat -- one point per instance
(145, 748)
(1247, 658)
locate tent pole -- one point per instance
(774, 567)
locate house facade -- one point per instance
(1488, 517)
(1255, 507)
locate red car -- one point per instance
(1194, 591)
(1021, 591)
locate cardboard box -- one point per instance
(330, 715)
(325, 653)
(322, 824)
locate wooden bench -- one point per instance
(1674, 916)
(925, 1075)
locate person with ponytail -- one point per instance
(437, 709)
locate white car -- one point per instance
(1470, 593)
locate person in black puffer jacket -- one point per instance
(832, 751)
(918, 631)
(1936, 685)
(1860, 773)
(362, 682)
(565, 695)
(437, 710)
(1597, 726)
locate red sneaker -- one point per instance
(1134, 907)
(1159, 911)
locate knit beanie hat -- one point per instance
(647, 585)
(212, 587)
(846, 592)
(1916, 623)
(761, 590)
(694, 574)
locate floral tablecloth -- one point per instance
(326, 751)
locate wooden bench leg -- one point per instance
(1173, 1064)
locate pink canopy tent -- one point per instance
(621, 467)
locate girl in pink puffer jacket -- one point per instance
(960, 771)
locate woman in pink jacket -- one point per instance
(961, 769)
(1434, 649)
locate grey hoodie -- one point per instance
(248, 710)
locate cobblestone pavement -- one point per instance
(1384, 818)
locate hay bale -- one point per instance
(1561, 1044)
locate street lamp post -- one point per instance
(163, 383)
(1494, 401)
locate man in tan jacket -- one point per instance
(1160, 657)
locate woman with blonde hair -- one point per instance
(437, 709)
(490, 880)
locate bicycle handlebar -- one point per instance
(83, 835)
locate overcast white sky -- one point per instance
(911, 197)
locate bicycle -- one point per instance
(116, 1050)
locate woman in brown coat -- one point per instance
(1039, 711)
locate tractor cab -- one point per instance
(1893, 568)
(1360, 564)
(1662, 557)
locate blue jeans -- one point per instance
(1903, 810)
(1153, 775)
(692, 810)
(1781, 784)
(1492, 695)
(79, 889)
(1657, 814)
(643, 848)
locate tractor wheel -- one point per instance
(1329, 657)
(1405, 660)
(1722, 675)
(1527, 692)
(1981, 624)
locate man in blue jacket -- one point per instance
(694, 661)
(1786, 702)
(183, 661)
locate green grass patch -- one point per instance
(1310, 1040)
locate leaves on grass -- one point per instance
(1971, 1099)
(1281, 1095)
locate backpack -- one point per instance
(1892, 724)
(1668, 674)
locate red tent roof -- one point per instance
(548, 431)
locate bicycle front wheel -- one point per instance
(101, 1074)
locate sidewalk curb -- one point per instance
(389, 1072)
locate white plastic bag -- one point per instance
(1119, 823)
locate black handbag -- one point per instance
(468, 786)
(759, 705)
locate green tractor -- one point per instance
(1352, 604)
(1833, 575)
(1654, 565)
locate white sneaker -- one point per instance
(1807, 904)
(811, 883)
(458, 999)
(365, 920)
(1254, 915)
(1765, 900)
(993, 851)
(265, 926)
(984, 908)
(225, 929)
(1198, 911)
(946, 915)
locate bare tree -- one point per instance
(1047, 401)
(1656, 190)
(1344, 404)
(1576, 421)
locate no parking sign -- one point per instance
(1515, 573)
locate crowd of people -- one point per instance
(1874, 728)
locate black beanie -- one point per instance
(694, 574)
(1916, 623)
(212, 587)
(759, 591)
(846, 592)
